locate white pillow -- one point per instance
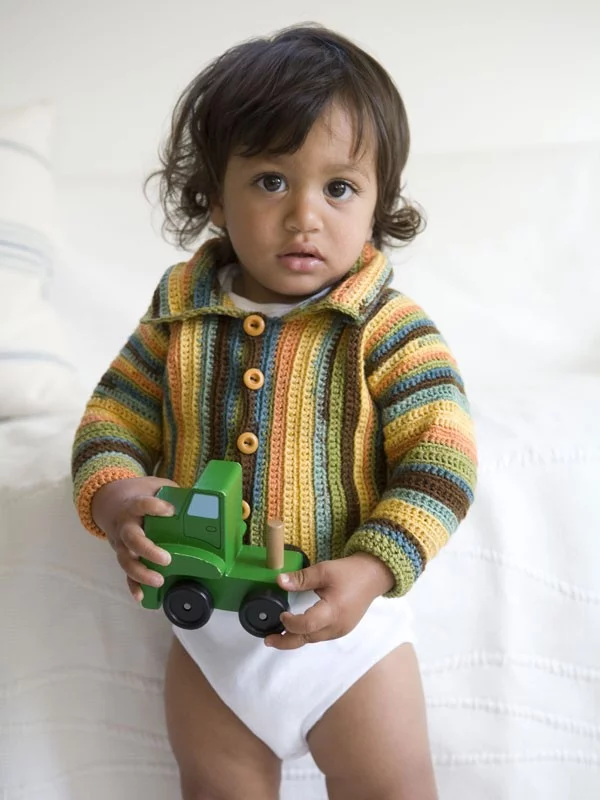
(36, 375)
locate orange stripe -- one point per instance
(392, 319)
(451, 438)
(138, 378)
(89, 489)
(152, 340)
(284, 361)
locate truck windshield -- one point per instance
(204, 505)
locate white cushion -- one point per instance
(508, 265)
(36, 374)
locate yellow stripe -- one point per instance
(423, 526)
(148, 433)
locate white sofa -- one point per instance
(508, 615)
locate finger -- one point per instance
(293, 641)
(137, 571)
(135, 589)
(303, 579)
(311, 621)
(143, 504)
(134, 538)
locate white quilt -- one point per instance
(508, 621)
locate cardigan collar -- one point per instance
(191, 289)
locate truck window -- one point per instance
(203, 519)
(204, 505)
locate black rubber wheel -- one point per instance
(260, 611)
(188, 604)
(305, 558)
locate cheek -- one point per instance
(248, 227)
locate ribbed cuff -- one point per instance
(380, 546)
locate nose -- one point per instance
(303, 214)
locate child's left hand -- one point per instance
(346, 586)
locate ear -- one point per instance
(217, 214)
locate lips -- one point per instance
(302, 251)
(302, 258)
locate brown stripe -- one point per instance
(425, 330)
(99, 446)
(442, 380)
(324, 404)
(253, 346)
(349, 351)
(439, 488)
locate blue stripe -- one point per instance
(264, 411)
(412, 380)
(433, 469)
(25, 249)
(389, 343)
(10, 144)
(425, 397)
(29, 261)
(30, 355)
(429, 504)
(401, 541)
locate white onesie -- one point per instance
(280, 695)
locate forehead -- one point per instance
(337, 129)
(335, 138)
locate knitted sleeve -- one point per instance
(428, 439)
(120, 433)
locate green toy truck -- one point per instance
(210, 566)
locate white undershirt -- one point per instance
(226, 276)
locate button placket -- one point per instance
(253, 378)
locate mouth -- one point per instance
(302, 260)
(307, 251)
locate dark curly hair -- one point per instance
(264, 95)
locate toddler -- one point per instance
(281, 345)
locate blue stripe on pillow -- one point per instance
(9, 144)
(25, 249)
(31, 355)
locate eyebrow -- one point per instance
(350, 166)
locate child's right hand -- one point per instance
(118, 508)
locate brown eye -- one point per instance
(339, 190)
(271, 183)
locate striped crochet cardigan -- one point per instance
(365, 442)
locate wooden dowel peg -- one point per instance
(275, 544)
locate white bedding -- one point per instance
(508, 621)
(508, 615)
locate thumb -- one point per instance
(302, 580)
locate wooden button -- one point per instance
(254, 325)
(247, 443)
(253, 378)
(245, 510)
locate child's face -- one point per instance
(299, 221)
